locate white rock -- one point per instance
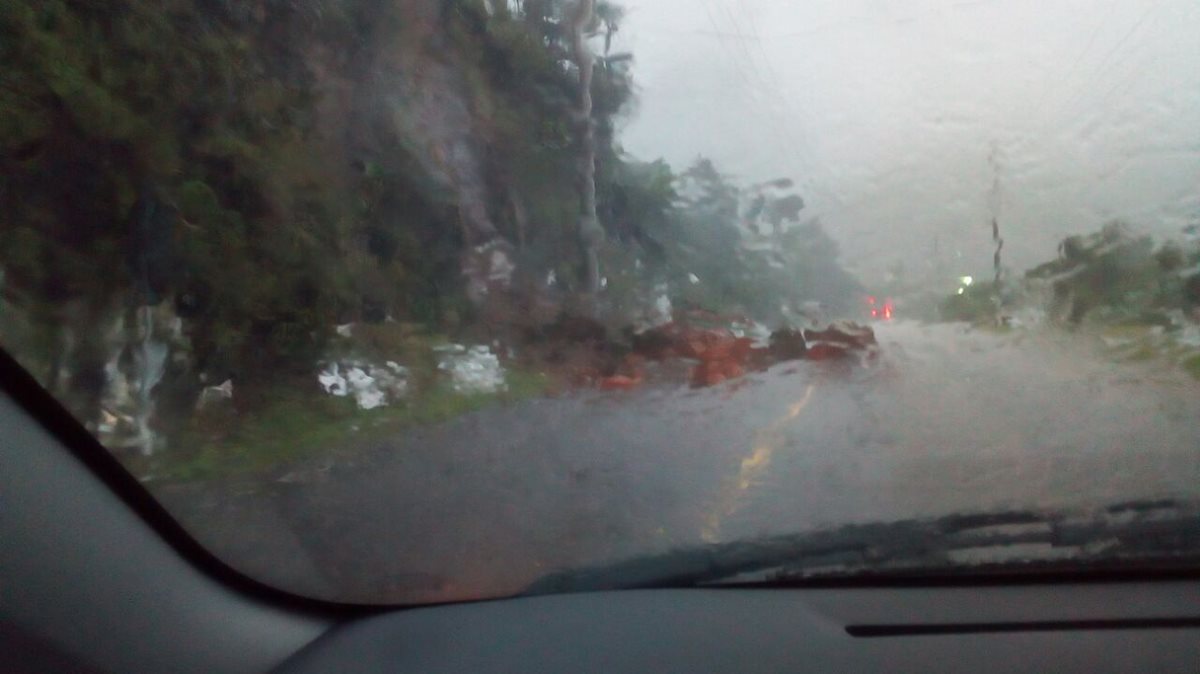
(108, 422)
(759, 334)
(213, 394)
(371, 385)
(502, 266)
(474, 370)
(357, 378)
(392, 379)
(662, 310)
(370, 398)
(333, 382)
(366, 390)
(1189, 336)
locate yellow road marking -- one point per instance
(766, 443)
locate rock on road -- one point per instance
(946, 419)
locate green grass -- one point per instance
(1138, 342)
(1191, 365)
(1141, 353)
(1127, 330)
(295, 426)
(993, 327)
(976, 304)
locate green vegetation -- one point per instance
(976, 303)
(142, 164)
(1117, 277)
(294, 424)
(1109, 277)
(1130, 343)
(260, 173)
(715, 258)
(1192, 365)
(1140, 298)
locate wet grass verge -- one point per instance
(1191, 365)
(297, 425)
(1141, 343)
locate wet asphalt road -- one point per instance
(945, 420)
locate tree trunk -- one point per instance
(590, 232)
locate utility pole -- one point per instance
(994, 206)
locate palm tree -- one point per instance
(591, 234)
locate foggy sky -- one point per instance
(886, 113)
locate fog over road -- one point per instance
(946, 419)
(897, 119)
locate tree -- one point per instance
(591, 234)
(1110, 268)
(719, 261)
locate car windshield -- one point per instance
(411, 301)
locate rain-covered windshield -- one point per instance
(426, 300)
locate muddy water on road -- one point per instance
(955, 420)
(946, 419)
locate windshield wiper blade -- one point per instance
(1141, 532)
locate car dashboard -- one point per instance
(1128, 627)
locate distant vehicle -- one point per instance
(881, 309)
